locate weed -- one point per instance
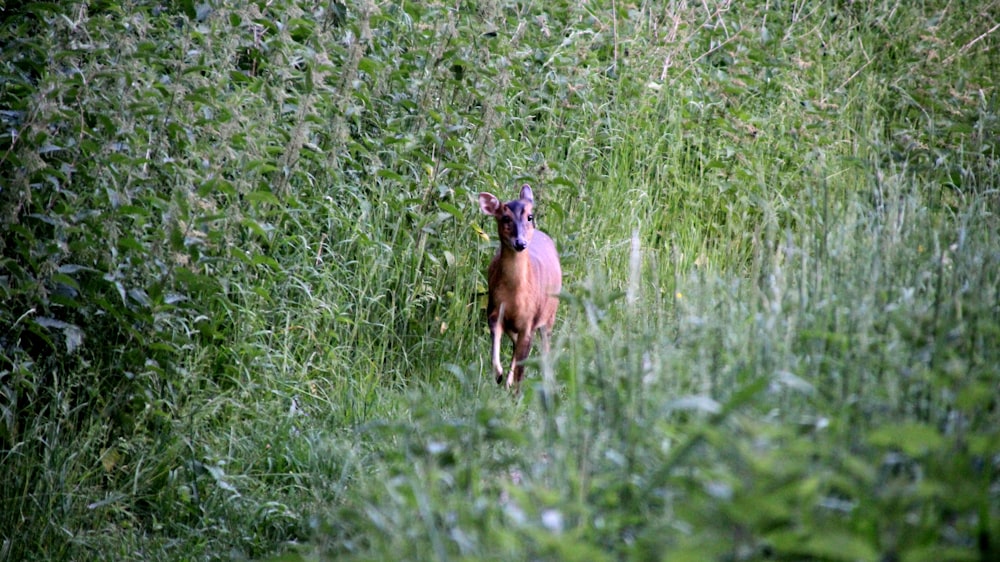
(243, 280)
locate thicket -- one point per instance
(241, 273)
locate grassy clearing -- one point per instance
(243, 274)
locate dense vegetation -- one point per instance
(242, 275)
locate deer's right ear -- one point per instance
(489, 203)
(526, 193)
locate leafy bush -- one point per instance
(242, 274)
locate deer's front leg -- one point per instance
(521, 349)
(496, 334)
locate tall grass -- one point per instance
(243, 279)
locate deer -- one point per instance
(524, 280)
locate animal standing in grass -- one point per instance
(524, 279)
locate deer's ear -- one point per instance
(526, 194)
(489, 204)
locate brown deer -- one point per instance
(524, 279)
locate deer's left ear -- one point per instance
(526, 194)
(489, 203)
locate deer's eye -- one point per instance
(506, 219)
(531, 218)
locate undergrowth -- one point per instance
(242, 280)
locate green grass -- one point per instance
(243, 281)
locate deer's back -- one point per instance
(545, 263)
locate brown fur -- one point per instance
(524, 279)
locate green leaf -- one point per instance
(72, 333)
(176, 239)
(937, 553)
(450, 209)
(189, 8)
(65, 280)
(260, 196)
(262, 229)
(43, 9)
(216, 185)
(913, 438)
(260, 259)
(824, 545)
(369, 66)
(389, 174)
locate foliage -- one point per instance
(242, 280)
